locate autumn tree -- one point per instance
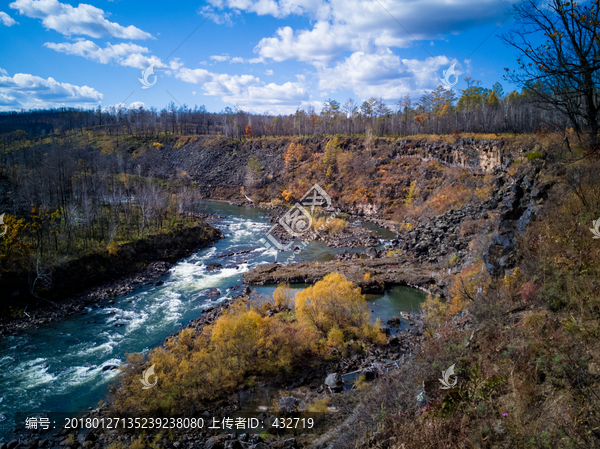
(332, 149)
(334, 304)
(294, 154)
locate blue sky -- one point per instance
(262, 55)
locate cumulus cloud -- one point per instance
(248, 91)
(83, 20)
(24, 91)
(125, 54)
(281, 9)
(363, 25)
(382, 74)
(220, 58)
(7, 20)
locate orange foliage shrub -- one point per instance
(463, 290)
(295, 153)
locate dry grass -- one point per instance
(529, 377)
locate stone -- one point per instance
(213, 266)
(288, 404)
(290, 443)
(394, 321)
(335, 381)
(370, 374)
(393, 340)
(371, 252)
(213, 443)
(255, 439)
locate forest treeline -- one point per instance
(441, 111)
(66, 197)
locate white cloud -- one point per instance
(24, 91)
(320, 44)
(83, 20)
(134, 105)
(382, 74)
(363, 25)
(220, 58)
(125, 54)
(7, 20)
(249, 91)
(268, 72)
(3, 72)
(281, 9)
(235, 60)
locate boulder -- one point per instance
(210, 293)
(334, 381)
(394, 321)
(370, 373)
(213, 266)
(371, 252)
(288, 404)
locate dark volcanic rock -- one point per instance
(520, 206)
(213, 266)
(393, 322)
(288, 404)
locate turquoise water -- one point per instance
(61, 367)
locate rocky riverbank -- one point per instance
(325, 380)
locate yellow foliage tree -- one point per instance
(283, 296)
(332, 150)
(13, 246)
(333, 302)
(412, 193)
(294, 154)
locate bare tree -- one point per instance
(562, 72)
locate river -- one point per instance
(62, 366)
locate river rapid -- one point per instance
(67, 365)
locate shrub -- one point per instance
(319, 406)
(394, 253)
(255, 167)
(295, 153)
(328, 224)
(332, 302)
(245, 340)
(192, 368)
(283, 296)
(411, 193)
(533, 155)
